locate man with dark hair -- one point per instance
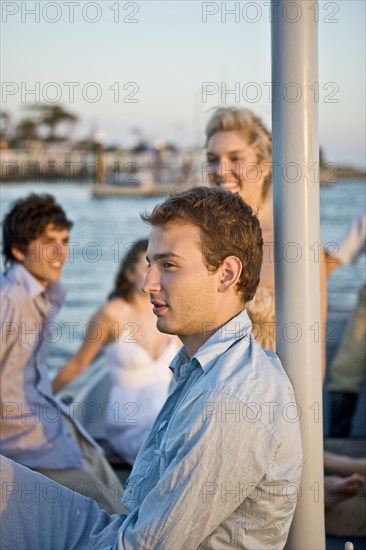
(221, 465)
(37, 431)
(26, 220)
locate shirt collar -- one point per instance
(237, 328)
(179, 360)
(54, 292)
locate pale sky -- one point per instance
(144, 64)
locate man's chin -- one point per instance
(163, 326)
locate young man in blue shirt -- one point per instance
(36, 430)
(221, 465)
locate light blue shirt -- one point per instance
(33, 430)
(221, 465)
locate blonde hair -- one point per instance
(232, 119)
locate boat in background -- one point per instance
(154, 174)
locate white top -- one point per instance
(131, 365)
(140, 386)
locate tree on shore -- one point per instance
(4, 125)
(27, 130)
(52, 116)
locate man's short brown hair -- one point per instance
(228, 228)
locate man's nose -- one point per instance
(152, 281)
(55, 252)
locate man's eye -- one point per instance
(167, 265)
(212, 160)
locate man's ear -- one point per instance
(230, 270)
(18, 254)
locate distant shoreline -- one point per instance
(333, 174)
(87, 168)
(89, 179)
(324, 180)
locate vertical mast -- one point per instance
(297, 242)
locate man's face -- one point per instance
(183, 292)
(46, 255)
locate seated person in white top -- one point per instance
(221, 466)
(36, 430)
(138, 355)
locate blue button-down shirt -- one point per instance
(221, 466)
(33, 430)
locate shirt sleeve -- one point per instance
(211, 461)
(10, 326)
(352, 243)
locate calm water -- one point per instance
(104, 228)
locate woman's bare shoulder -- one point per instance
(115, 309)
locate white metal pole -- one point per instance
(297, 242)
